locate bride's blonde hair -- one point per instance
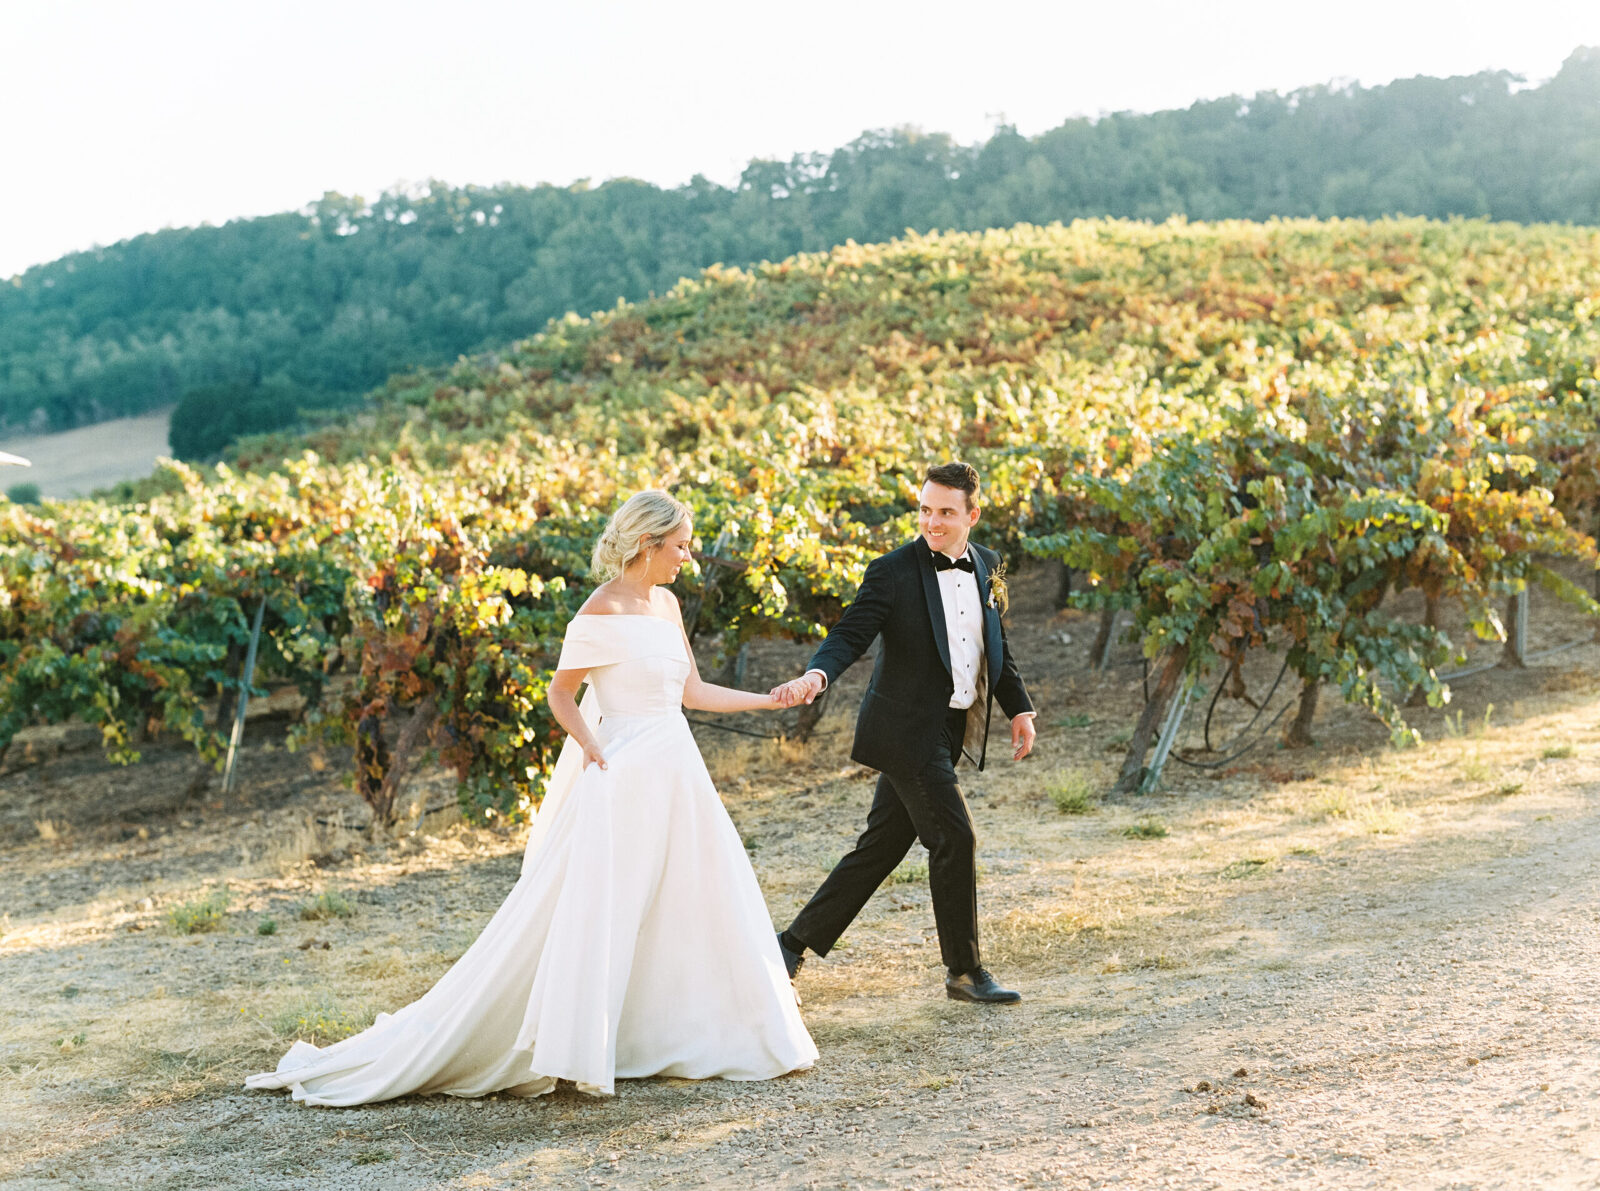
(652, 512)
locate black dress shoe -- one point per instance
(791, 960)
(979, 987)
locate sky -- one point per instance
(121, 118)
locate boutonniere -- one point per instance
(999, 597)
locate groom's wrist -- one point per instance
(820, 674)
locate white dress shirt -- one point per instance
(963, 624)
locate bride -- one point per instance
(636, 941)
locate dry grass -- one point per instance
(307, 834)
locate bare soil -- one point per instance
(1344, 966)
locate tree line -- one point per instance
(257, 324)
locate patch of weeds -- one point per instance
(267, 926)
(200, 914)
(1160, 962)
(1250, 866)
(1457, 728)
(70, 991)
(1146, 827)
(66, 1044)
(1507, 789)
(1121, 739)
(1302, 850)
(1383, 819)
(933, 1082)
(178, 1062)
(321, 1019)
(330, 903)
(1076, 721)
(368, 1157)
(909, 872)
(1071, 793)
(1335, 805)
(1558, 752)
(1474, 770)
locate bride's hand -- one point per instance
(593, 755)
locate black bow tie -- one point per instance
(943, 562)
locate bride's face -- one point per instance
(672, 555)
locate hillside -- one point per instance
(1247, 439)
(252, 326)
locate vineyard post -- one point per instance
(246, 677)
(1169, 733)
(1516, 651)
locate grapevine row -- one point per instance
(1241, 432)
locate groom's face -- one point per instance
(944, 519)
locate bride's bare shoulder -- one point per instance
(665, 604)
(601, 602)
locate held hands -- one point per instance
(800, 690)
(1022, 737)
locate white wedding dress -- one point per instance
(635, 943)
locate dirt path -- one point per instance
(1381, 970)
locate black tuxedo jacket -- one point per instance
(901, 721)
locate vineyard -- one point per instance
(1244, 436)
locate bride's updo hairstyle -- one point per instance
(651, 512)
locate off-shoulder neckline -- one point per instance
(608, 615)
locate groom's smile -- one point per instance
(945, 519)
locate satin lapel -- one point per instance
(992, 644)
(930, 589)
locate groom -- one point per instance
(943, 663)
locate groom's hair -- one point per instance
(956, 474)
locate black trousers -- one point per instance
(925, 805)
